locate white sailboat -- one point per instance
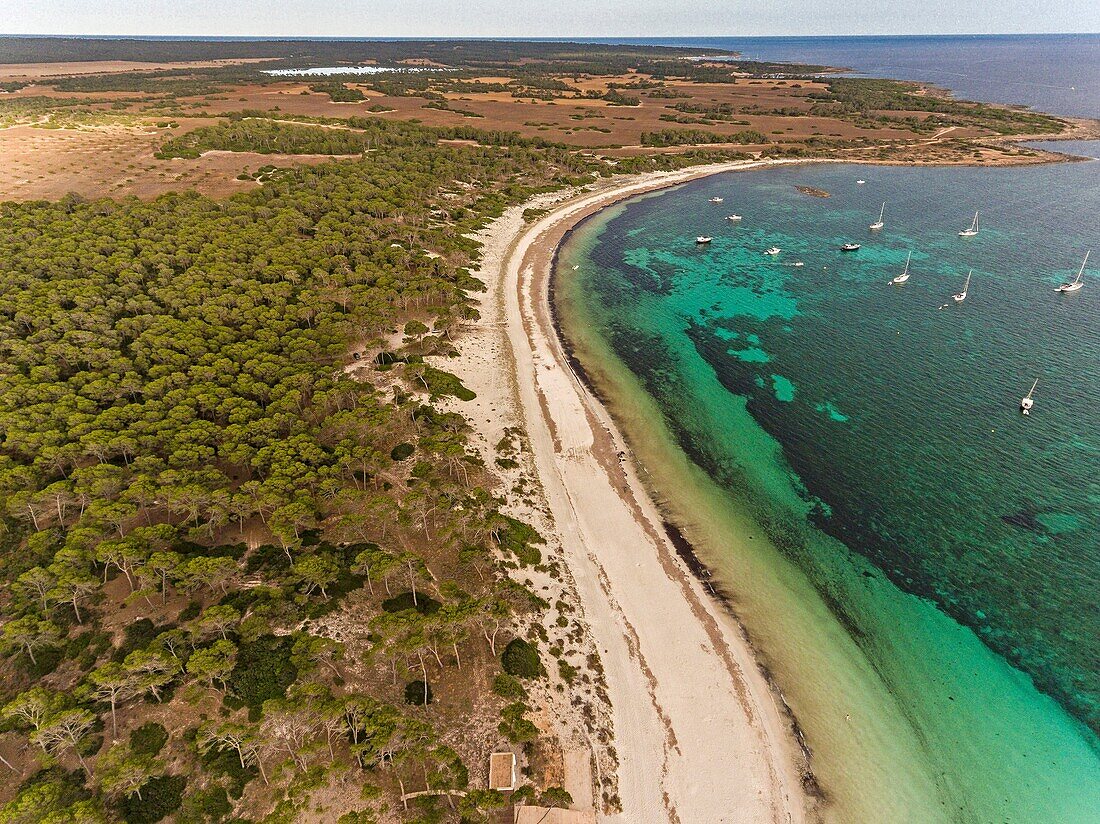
(959, 298)
(1076, 283)
(904, 276)
(973, 230)
(1026, 402)
(878, 224)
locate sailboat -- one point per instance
(878, 224)
(904, 276)
(959, 298)
(1076, 283)
(1026, 402)
(973, 230)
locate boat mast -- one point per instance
(1032, 392)
(1081, 271)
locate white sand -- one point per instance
(698, 731)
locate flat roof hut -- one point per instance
(502, 771)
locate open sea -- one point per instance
(924, 565)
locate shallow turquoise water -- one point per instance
(899, 432)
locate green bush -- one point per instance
(555, 797)
(203, 806)
(402, 451)
(508, 687)
(137, 635)
(160, 797)
(521, 659)
(148, 739)
(418, 693)
(514, 725)
(444, 383)
(263, 670)
(404, 601)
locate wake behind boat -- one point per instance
(1076, 283)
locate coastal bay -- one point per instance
(894, 694)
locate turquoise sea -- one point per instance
(924, 564)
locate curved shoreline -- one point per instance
(678, 666)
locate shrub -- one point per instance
(444, 383)
(160, 797)
(508, 687)
(263, 670)
(418, 693)
(404, 601)
(514, 725)
(148, 739)
(205, 805)
(137, 635)
(555, 797)
(521, 659)
(402, 451)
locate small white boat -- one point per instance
(1076, 283)
(716, 200)
(850, 247)
(703, 239)
(904, 276)
(860, 182)
(575, 268)
(1026, 402)
(973, 230)
(798, 263)
(774, 250)
(733, 217)
(878, 224)
(959, 298)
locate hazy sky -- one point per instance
(545, 18)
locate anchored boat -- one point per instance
(1076, 283)
(904, 276)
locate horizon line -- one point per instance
(518, 37)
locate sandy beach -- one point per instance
(698, 732)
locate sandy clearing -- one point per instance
(39, 71)
(699, 734)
